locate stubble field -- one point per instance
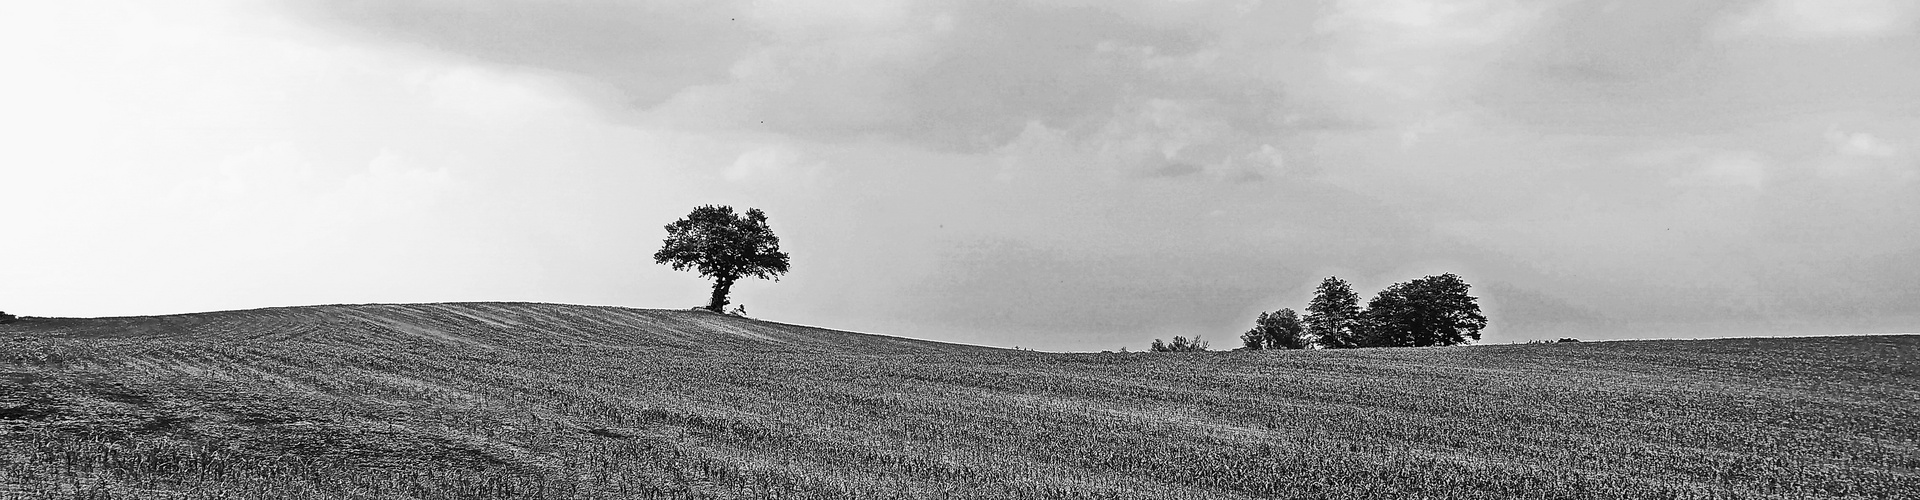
(514, 400)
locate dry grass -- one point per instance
(553, 401)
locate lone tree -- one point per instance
(1430, 311)
(1334, 315)
(1179, 344)
(1276, 330)
(725, 247)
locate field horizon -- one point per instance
(540, 400)
(702, 310)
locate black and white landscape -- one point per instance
(1099, 249)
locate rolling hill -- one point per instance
(516, 400)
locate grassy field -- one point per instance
(502, 400)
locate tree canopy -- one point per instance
(1333, 317)
(1276, 330)
(1430, 311)
(724, 246)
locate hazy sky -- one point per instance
(1062, 175)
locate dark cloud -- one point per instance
(648, 50)
(950, 76)
(1598, 43)
(1007, 64)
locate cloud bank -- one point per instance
(1054, 174)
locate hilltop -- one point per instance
(515, 400)
(483, 325)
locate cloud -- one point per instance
(390, 175)
(1859, 144)
(1720, 169)
(1866, 158)
(495, 95)
(1086, 162)
(764, 162)
(1824, 19)
(988, 72)
(1156, 138)
(964, 77)
(1396, 23)
(648, 50)
(1417, 50)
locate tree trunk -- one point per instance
(719, 302)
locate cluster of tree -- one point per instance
(1179, 344)
(6, 318)
(1430, 311)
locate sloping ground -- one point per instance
(483, 325)
(554, 401)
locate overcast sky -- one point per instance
(1061, 175)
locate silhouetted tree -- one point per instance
(725, 247)
(1430, 311)
(1333, 318)
(6, 318)
(1179, 344)
(1276, 330)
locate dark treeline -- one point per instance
(1430, 311)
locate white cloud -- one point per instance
(496, 95)
(1413, 49)
(1817, 19)
(1866, 157)
(764, 162)
(1732, 169)
(1400, 23)
(1710, 169)
(1859, 144)
(389, 171)
(1037, 146)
